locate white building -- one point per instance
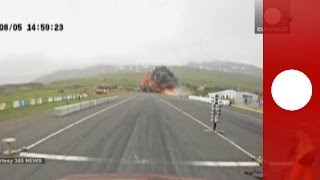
(226, 94)
(246, 97)
(237, 97)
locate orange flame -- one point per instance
(169, 91)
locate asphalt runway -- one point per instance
(138, 134)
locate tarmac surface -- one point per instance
(148, 134)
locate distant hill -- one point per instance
(90, 72)
(215, 80)
(219, 66)
(228, 67)
(12, 88)
(213, 75)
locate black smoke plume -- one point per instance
(164, 78)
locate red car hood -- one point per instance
(125, 177)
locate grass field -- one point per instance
(218, 80)
(11, 113)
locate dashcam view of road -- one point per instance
(131, 90)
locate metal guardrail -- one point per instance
(72, 108)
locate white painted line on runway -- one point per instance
(77, 122)
(57, 157)
(140, 161)
(209, 128)
(183, 112)
(223, 163)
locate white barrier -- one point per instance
(68, 109)
(208, 100)
(16, 104)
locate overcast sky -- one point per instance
(125, 32)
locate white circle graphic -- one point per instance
(291, 90)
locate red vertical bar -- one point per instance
(298, 48)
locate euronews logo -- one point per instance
(272, 17)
